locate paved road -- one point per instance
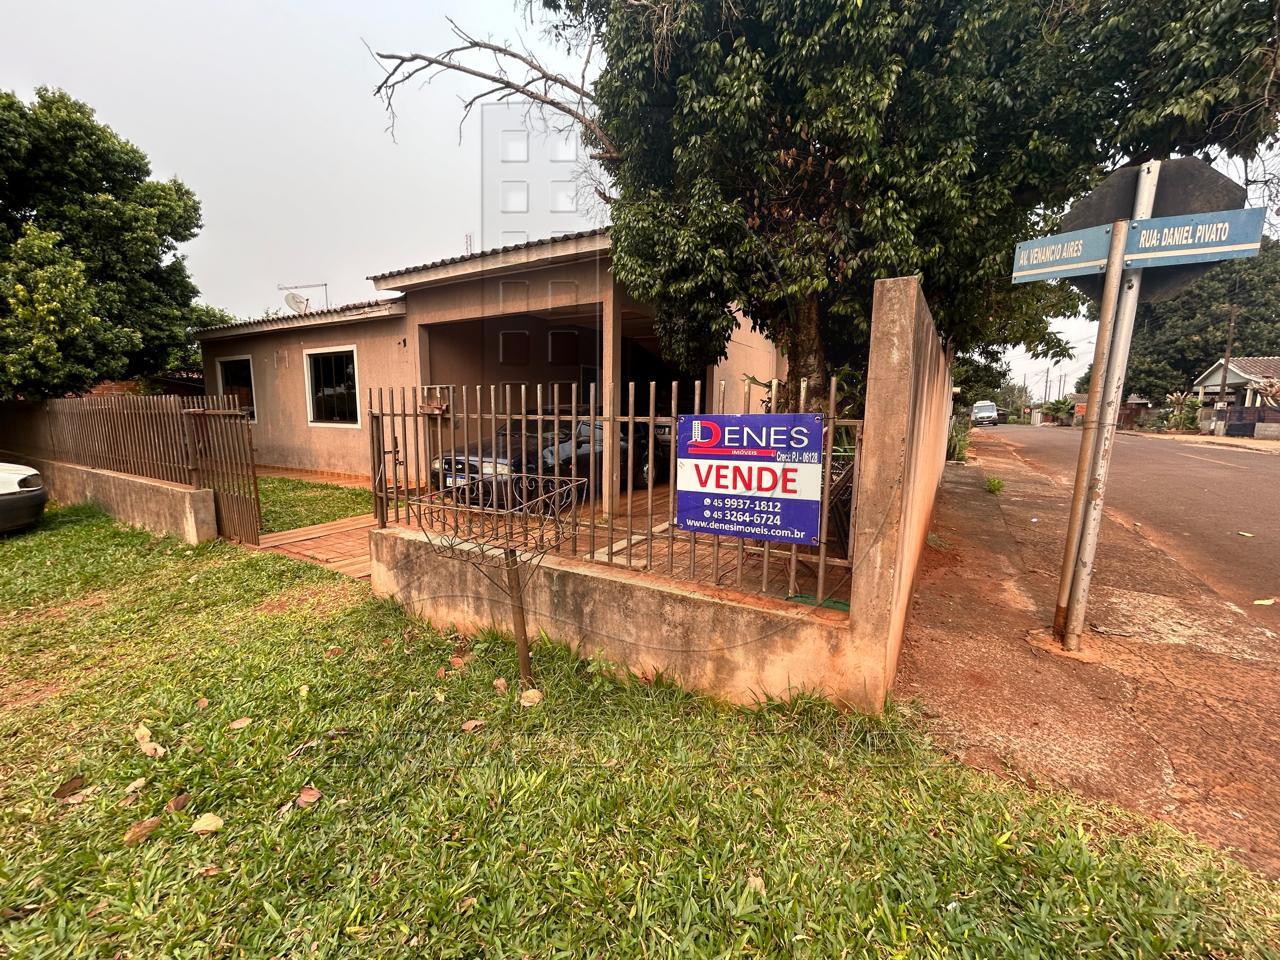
(1192, 499)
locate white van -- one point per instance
(985, 414)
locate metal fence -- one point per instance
(444, 455)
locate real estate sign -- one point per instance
(755, 475)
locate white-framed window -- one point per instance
(235, 379)
(333, 389)
(513, 348)
(562, 348)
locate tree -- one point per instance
(1176, 340)
(52, 340)
(77, 199)
(781, 156)
(979, 378)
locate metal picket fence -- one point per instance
(444, 454)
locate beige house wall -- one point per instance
(749, 353)
(282, 432)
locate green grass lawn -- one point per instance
(616, 819)
(288, 504)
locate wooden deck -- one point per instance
(340, 545)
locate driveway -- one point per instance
(1193, 501)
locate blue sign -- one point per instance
(753, 475)
(1074, 254)
(1194, 238)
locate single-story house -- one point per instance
(1243, 376)
(544, 312)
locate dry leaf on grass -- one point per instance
(202, 703)
(141, 734)
(212, 870)
(333, 652)
(128, 800)
(239, 724)
(531, 698)
(307, 796)
(136, 785)
(206, 824)
(756, 884)
(152, 749)
(140, 831)
(466, 903)
(177, 803)
(457, 663)
(80, 796)
(500, 685)
(68, 787)
(441, 673)
(471, 726)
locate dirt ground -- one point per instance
(1170, 710)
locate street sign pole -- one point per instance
(1084, 462)
(1106, 415)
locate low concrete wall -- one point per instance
(160, 507)
(742, 649)
(903, 452)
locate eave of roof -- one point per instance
(567, 246)
(1254, 369)
(330, 316)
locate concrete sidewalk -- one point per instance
(1170, 709)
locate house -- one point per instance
(544, 312)
(1244, 374)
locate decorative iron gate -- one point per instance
(221, 448)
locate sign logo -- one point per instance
(757, 476)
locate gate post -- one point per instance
(188, 437)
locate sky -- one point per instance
(266, 111)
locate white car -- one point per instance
(22, 497)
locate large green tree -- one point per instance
(781, 155)
(91, 282)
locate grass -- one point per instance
(994, 485)
(616, 819)
(288, 504)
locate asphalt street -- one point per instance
(1196, 501)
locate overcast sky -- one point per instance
(266, 111)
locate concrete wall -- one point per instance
(386, 356)
(162, 508)
(741, 649)
(903, 452)
(748, 354)
(1267, 431)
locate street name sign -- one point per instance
(1194, 238)
(754, 475)
(1073, 254)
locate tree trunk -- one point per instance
(806, 358)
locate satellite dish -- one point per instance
(296, 303)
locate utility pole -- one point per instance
(1221, 414)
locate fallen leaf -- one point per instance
(1243, 534)
(441, 673)
(152, 749)
(284, 808)
(500, 685)
(140, 831)
(457, 663)
(333, 652)
(128, 800)
(80, 796)
(212, 870)
(239, 724)
(192, 578)
(1264, 603)
(756, 884)
(307, 796)
(68, 787)
(142, 734)
(206, 824)
(177, 803)
(202, 703)
(466, 903)
(97, 909)
(471, 726)
(136, 785)
(531, 698)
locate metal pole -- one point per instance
(1112, 397)
(1088, 436)
(516, 592)
(1220, 413)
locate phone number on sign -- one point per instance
(746, 503)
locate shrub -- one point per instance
(958, 440)
(994, 484)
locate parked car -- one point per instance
(518, 454)
(22, 497)
(985, 414)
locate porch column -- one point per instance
(1200, 393)
(610, 392)
(1248, 396)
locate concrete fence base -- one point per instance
(157, 506)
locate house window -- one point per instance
(513, 348)
(331, 387)
(235, 379)
(562, 347)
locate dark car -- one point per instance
(22, 497)
(507, 465)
